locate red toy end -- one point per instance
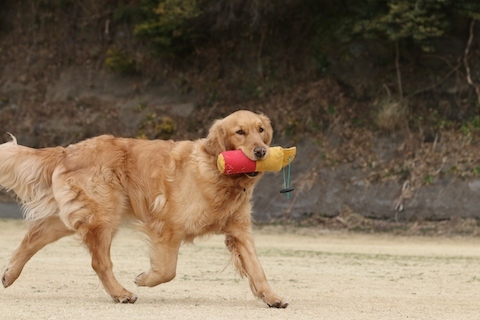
(234, 161)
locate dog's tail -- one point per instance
(28, 172)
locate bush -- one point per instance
(119, 61)
(418, 21)
(167, 25)
(156, 127)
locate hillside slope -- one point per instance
(361, 149)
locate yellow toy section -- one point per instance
(234, 161)
(277, 158)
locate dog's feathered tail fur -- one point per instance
(28, 172)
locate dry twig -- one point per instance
(465, 61)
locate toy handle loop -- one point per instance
(286, 179)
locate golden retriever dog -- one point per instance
(172, 190)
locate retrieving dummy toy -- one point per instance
(235, 161)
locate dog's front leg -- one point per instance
(165, 245)
(245, 259)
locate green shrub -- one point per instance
(420, 21)
(156, 127)
(167, 25)
(119, 61)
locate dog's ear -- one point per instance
(217, 139)
(267, 127)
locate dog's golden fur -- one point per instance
(172, 190)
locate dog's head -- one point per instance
(242, 130)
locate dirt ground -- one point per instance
(325, 275)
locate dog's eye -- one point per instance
(261, 129)
(241, 132)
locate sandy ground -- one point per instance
(325, 275)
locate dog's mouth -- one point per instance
(252, 174)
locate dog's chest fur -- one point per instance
(209, 208)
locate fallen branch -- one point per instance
(397, 68)
(465, 61)
(433, 86)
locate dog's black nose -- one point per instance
(259, 152)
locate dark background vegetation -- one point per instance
(344, 74)
(411, 58)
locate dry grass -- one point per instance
(391, 114)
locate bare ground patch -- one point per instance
(325, 274)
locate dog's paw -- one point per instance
(139, 280)
(127, 298)
(5, 280)
(276, 302)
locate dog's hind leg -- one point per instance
(98, 238)
(94, 209)
(39, 234)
